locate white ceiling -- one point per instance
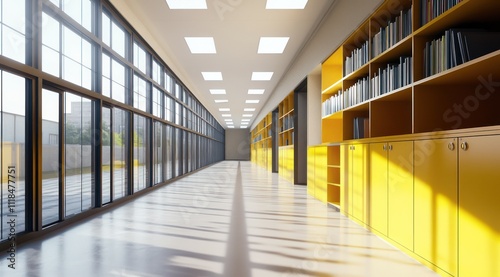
(236, 26)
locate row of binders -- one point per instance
(358, 58)
(392, 77)
(431, 9)
(394, 32)
(386, 79)
(287, 122)
(458, 46)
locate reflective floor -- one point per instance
(231, 219)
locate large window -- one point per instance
(12, 149)
(141, 153)
(114, 79)
(120, 142)
(13, 30)
(65, 53)
(79, 165)
(158, 152)
(50, 157)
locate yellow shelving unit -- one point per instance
(286, 114)
(411, 155)
(261, 146)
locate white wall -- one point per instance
(237, 144)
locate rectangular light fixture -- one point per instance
(221, 101)
(243, 127)
(272, 45)
(286, 4)
(187, 4)
(262, 76)
(249, 109)
(226, 115)
(212, 76)
(256, 91)
(247, 115)
(245, 119)
(224, 110)
(245, 123)
(230, 126)
(217, 91)
(201, 45)
(252, 101)
(228, 120)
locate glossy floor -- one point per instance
(231, 219)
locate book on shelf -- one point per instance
(458, 46)
(392, 76)
(360, 127)
(395, 31)
(358, 57)
(431, 9)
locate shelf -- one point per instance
(333, 88)
(401, 48)
(359, 73)
(466, 73)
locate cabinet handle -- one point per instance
(451, 146)
(390, 147)
(353, 147)
(385, 147)
(464, 146)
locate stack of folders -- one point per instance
(458, 46)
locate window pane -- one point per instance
(157, 72)
(158, 153)
(12, 149)
(50, 157)
(79, 168)
(50, 61)
(106, 29)
(141, 142)
(120, 152)
(140, 93)
(13, 15)
(140, 58)
(157, 102)
(118, 39)
(168, 150)
(76, 52)
(13, 44)
(50, 32)
(80, 11)
(106, 155)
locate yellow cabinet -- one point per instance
(378, 188)
(479, 206)
(311, 169)
(400, 193)
(354, 179)
(436, 194)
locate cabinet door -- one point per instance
(479, 206)
(345, 179)
(378, 187)
(400, 223)
(321, 190)
(359, 157)
(436, 213)
(311, 171)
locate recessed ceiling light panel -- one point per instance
(247, 115)
(224, 110)
(272, 45)
(286, 4)
(201, 45)
(252, 101)
(226, 115)
(212, 76)
(221, 101)
(256, 91)
(249, 110)
(217, 91)
(262, 76)
(187, 4)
